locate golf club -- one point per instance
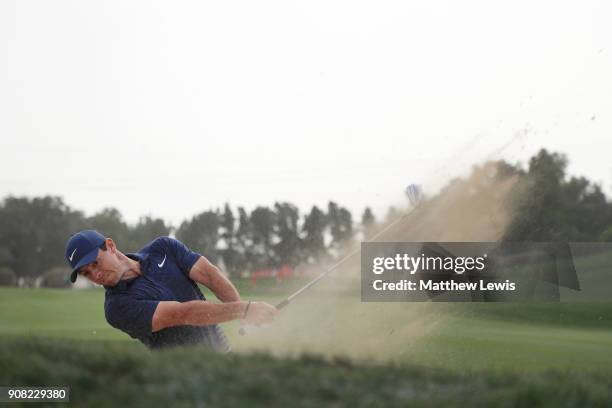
(414, 195)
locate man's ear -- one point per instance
(110, 245)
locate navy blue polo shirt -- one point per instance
(129, 306)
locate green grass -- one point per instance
(109, 374)
(57, 313)
(517, 354)
(79, 314)
(504, 336)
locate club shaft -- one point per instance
(244, 330)
(290, 298)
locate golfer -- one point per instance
(153, 296)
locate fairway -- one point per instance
(492, 337)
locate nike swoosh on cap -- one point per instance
(72, 254)
(162, 262)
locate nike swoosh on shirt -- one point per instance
(162, 262)
(72, 254)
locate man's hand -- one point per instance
(259, 313)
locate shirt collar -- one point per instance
(143, 260)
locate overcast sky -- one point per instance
(170, 108)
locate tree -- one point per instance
(146, 230)
(288, 247)
(33, 233)
(262, 227)
(230, 253)
(201, 234)
(541, 210)
(7, 276)
(548, 207)
(56, 277)
(313, 229)
(589, 212)
(243, 242)
(109, 222)
(340, 224)
(368, 223)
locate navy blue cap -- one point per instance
(82, 249)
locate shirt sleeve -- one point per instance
(132, 316)
(183, 256)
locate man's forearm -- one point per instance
(223, 289)
(201, 313)
(210, 276)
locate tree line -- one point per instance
(34, 231)
(550, 206)
(547, 206)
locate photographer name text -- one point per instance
(450, 285)
(424, 265)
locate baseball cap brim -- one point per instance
(87, 259)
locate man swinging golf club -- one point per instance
(153, 296)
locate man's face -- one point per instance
(106, 269)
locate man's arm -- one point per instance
(210, 276)
(203, 313)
